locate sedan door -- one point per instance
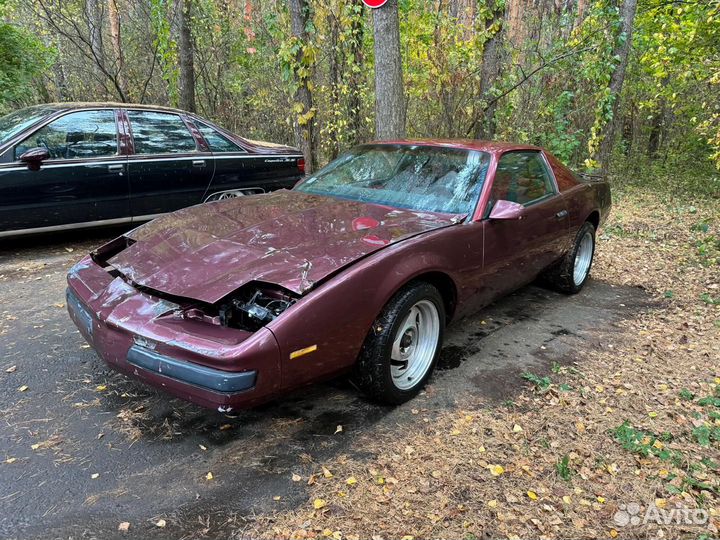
(167, 170)
(84, 181)
(236, 168)
(517, 250)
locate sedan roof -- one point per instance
(491, 147)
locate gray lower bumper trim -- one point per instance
(212, 379)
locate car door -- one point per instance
(84, 181)
(237, 168)
(517, 250)
(167, 168)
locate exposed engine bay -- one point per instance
(253, 308)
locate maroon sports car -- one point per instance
(357, 269)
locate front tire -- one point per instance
(402, 347)
(571, 273)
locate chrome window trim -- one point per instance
(82, 225)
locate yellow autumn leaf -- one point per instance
(209, 476)
(408, 537)
(276, 498)
(517, 429)
(613, 533)
(319, 503)
(100, 388)
(351, 481)
(23, 388)
(660, 503)
(601, 500)
(327, 473)
(567, 499)
(496, 470)
(296, 477)
(493, 503)
(533, 496)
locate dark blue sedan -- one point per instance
(74, 165)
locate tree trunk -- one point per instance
(355, 78)
(186, 53)
(114, 16)
(305, 119)
(484, 125)
(334, 70)
(389, 93)
(94, 15)
(621, 51)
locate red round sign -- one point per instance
(374, 3)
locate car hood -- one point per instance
(287, 238)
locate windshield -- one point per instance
(428, 178)
(13, 123)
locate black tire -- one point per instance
(560, 275)
(372, 372)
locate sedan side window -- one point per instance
(521, 177)
(79, 135)
(160, 133)
(217, 141)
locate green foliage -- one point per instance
(541, 384)
(563, 468)
(22, 58)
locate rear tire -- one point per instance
(403, 345)
(570, 274)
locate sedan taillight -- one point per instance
(301, 165)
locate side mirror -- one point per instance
(34, 157)
(507, 210)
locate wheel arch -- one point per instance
(444, 284)
(594, 218)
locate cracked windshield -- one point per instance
(417, 177)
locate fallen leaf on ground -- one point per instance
(160, 523)
(11, 369)
(209, 476)
(124, 526)
(23, 388)
(319, 503)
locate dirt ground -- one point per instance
(549, 416)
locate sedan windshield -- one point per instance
(427, 178)
(13, 123)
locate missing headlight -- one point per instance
(254, 308)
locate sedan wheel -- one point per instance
(402, 347)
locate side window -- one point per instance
(84, 134)
(217, 141)
(521, 177)
(160, 133)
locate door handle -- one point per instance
(119, 167)
(562, 214)
(198, 163)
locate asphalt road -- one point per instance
(83, 449)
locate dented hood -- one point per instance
(287, 238)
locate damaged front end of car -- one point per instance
(218, 355)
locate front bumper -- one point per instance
(146, 338)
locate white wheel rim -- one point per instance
(415, 344)
(583, 259)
